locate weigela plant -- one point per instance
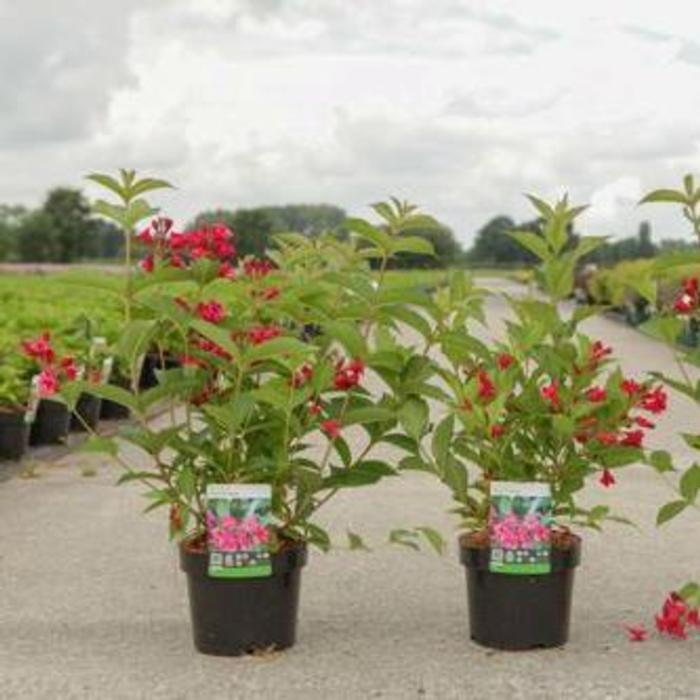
(273, 358)
(547, 403)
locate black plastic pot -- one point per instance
(113, 411)
(51, 423)
(14, 435)
(86, 414)
(515, 612)
(231, 617)
(152, 362)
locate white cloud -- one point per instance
(461, 106)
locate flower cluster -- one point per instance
(212, 242)
(230, 534)
(348, 374)
(513, 532)
(52, 372)
(688, 300)
(673, 620)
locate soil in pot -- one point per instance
(86, 414)
(51, 423)
(14, 434)
(231, 617)
(516, 612)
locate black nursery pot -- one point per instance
(231, 617)
(151, 363)
(516, 612)
(14, 435)
(88, 409)
(113, 411)
(51, 423)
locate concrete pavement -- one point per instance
(92, 604)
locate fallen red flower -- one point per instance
(607, 478)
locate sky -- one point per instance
(460, 107)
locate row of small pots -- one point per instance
(53, 421)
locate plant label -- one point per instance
(520, 522)
(33, 403)
(107, 366)
(238, 530)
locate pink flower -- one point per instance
(504, 361)
(655, 401)
(331, 428)
(632, 438)
(636, 633)
(40, 349)
(596, 394)
(605, 437)
(497, 431)
(487, 389)
(550, 393)
(48, 382)
(211, 311)
(672, 620)
(148, 264)
(261, 334)
(643, 422)
(69, 368)
(607, 478)
(257, 268)
(630, 387)
(348, 374)
(227, 270)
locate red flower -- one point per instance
(211, 347)
(599, 351)
(632, 438)
(331, 428)
(673, 617)
(637, 633)
(487, 389)
(688, 300)
(40, 349)
(504, 361)
(271, 293)
(550, 392)
(315, 408)
(606, 438)
(630, 387)
(211, 311)
(596, 394)
(48, 382)
(497, 430)
(655, 401)
(148, 264)
(302, 376)
(643, 422)
(69, 368)
(190, 361)
(227, 270)
(261, 334)
(607, 478)
(348, 375)
(683, 304)
(257, 268)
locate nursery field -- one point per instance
(389, 623)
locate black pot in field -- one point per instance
(51, 423)
(86, 414)
(14, 434)
(515, 612)
(231, 617)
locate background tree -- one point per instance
(11, 218)
(446, 246)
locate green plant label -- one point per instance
(238, 530)
(33, 402)
(520, 522)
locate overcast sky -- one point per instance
(458, 106)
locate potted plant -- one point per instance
(14, 400)
(258, 436)
(538, 413)
(52, 419)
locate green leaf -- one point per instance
(369, 414)
(691, 440)
(413, 244)
(147, 185)
(542, 207)
(111, 393)
(109, 183)
(278, 348)
(690, 483)
(667, 328)
(355, 542)
(661, 461)
(413, 416)
(220, 336)
(665, 196)
(442, 440)
(405, 538)
(670, 510)
(532, 242)
(433, 537)
(348, 335)
(362, 474)
(134, 341)
(364, 229)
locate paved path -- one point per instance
(92, 604)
